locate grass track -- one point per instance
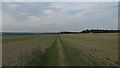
(53, 56)
(48, 58)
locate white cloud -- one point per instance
(48, 12)
(13, 6)
(34, 20)
(24, 13)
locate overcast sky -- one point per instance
(53, 17)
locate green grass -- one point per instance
(50, 57)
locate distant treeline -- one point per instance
(66, 32)
(92, 31)
(14, 33)
(26, 33)
(100, 31)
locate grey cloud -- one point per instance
(59, 16)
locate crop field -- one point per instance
(0, 50)
(97, 49)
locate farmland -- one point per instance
(97, 49)
(0, 50)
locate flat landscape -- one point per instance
(0, 50)
(85, 49)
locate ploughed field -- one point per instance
(99, 49)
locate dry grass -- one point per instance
(61, 50)
(13, 51)
(102, 48)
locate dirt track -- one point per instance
(61, 54)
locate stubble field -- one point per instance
(100, 49)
